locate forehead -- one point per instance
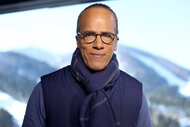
(97, 19)
(97, 9)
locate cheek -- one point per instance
(84, 52)
(84, 49)
(111, 50)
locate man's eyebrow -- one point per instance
(96, 32)
(106, 32)
(89, 31)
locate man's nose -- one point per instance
(98, 43)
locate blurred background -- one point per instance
(154, 47)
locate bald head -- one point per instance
(97, 6)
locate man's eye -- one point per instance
(89, 34)
(107, 35)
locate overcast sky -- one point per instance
(161, 27)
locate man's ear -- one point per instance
(115, 47)
(77, 40)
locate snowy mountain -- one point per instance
(13, 106)
(172, 73)
(52, 59)
(19, 74)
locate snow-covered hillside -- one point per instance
(13, 106)
(172, 79)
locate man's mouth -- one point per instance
(97, 55)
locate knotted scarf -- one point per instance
(96, 110)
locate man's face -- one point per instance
(97, 55)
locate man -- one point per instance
(92, 91)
